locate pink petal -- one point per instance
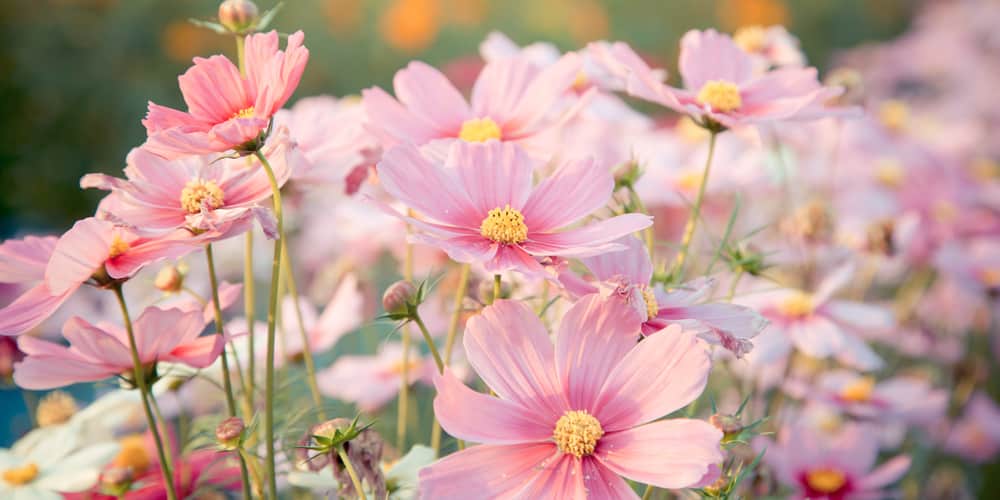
(633, 263)
(283, 73)
(22, 261)
(467, 249)
(588, 240)
(500, 86)
(30, 309)
(885, 474)
(493, 174)
(412, 179)
(480, 418)
(342, 314)
(855, 352)
(169, 246)
(509, 348)
(561, 479)
(601, 482)
(545, 90)
(661, 374)
(710, 55)
(159, 331)
(513, 258)
(78, 254)
(44, 372)
(576, 189)
(159, 118)
(866, 318)
(178, 142)
(200, 353)
(96, 344)
(393, 123)
(675, 453)
(816, 336)
(258, 50)
(594, 336)
(426, 92)
(486, 471)
(833, 283)
(213, 89)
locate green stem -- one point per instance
(307, 356)
(449, 343)
(250, 313)
(648, 493)
(496, 288)
(647, 234)
(144, 390)
(159, 416)
(226, 380)
(430, 342)
(272, 311)
(351, 472)
(732, 287)
(692, 222)
(404, 394)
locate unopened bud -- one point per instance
(398, 296)
(728, 424)
(229, 432)
(238, 15)
(169, 280)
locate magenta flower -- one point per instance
(720, 83)
(482, 208)
(93, 250)
(227, 111)
(570, 419)
(512, 100)
(97, 352)
(906, 398)
(838, 467)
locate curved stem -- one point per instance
(692, 222)
(351, 472)
(226, 379)
(430, 342)
(732, 287)
(272, 311)
(144, 391)
(496, 288)
(307, 356)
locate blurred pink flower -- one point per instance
(101, 351)
(372, 381)
(909, 399)
(341, 315)
(976, 435)
(484, 209)
(226, 110)
(833, 467)
(93, 249)
(570, 419)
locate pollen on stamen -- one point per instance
(798, 305)
(577, 433)
(118, 247)
(199, 192)
(21, 475)
(244, 113)
(859, 390)
(504, 225)
(826, 480)
(652, 308)
(479, 130)
(720, 95)
(751, 39)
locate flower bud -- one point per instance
(728, 424)
(398, 297)
(169, 280)
(229, 432)
(55, 408)
(238, 15)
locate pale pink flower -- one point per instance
(101, 351)
(720, 83)
(770, 47)
(571, 418)
(832, 467)
(512, 100)
(905, 398)
(976, 435)
(341, 314)
(372, 381)
(481, 206)
(818, 325)
(626, 275)
(92, 251)
(227, 111)
(974, 264)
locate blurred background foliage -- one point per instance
(75, 75)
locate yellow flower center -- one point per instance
(504, 225)
(826, 480)
(411, 367)
(889, 173)
(55, 408)
(691, 131)
(244, 113)
(577, 433)
(689, 181)
(944, 211)
(118, 247)
(985, 169)
(798, 305)
(720, 95)
(652, 308)
(479, 130)
(894, 114)
(990, 277)
(133, 454)
(198, 192)
(751, 38)
(858, 391)
(21, 475)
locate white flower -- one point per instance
(49, 462)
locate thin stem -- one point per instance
(249, 311)
(351, 472)
(648, 493)
(449, 343)
(226, 381)
(692, 222)
(307, 356)
(430, 342)
(647, 234)
(732, 287)
(159, 416)
(140, 382)
(272, 311)
(404, 393)
(496, 288)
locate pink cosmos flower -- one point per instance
(838, 467)
(196, 193)
(372, 381)
(512, 100)
(101, 351)
(93, 250)
(482, 208)
(770, 47)
(976, 435)
(625, 275)
(341, 315)
(226, 110)
(819, 325)
(909, 399)
(570, 419)
(720, 83)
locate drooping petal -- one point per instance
(576, 189)
(480, 418)
(199, 353)
(885, 474)
(514, 258)
(96, 344)
(486, 471)
(866, 318)
(816, 336)
(633, 263)
(30, 309)
(78, 253)
(674, 453)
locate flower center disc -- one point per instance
(118, 247)
(244, 113)
(720, 95)
(858, 391)
(504, 225)
(652, 308)
(798, 305)
(577, 433)
(826, 480)
(198, 192)
(479, 130)
(751, 38)
(21, 475)
(133, 454)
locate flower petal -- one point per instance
(428, 93)
(485, 471)
(480, 418)
(411, 178)
(575, 190)
(493, 174)
(673, 453)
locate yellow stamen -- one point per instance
(826, 480)
(798, 305)
(133, 454)
(504, 225)
(198, 192)
(689, 181)
(577, 433)
(859, 390)
(720, 95)
(22, 475)
(244, 113)
(894, 114)
(984, 169)
(118, 247)
(397, 368)
(889, 173)
(581, 81)
(944, 211)
(479, 130)
(751, 39)
(652, 308)
(990, 277)
(55, 408)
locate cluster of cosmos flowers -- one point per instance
(765, 284)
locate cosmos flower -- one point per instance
(227, 111)
(481, 207)
(899, 398)
(569, 419)
(372, 381)
(45, 468)
(341, 315)
(975, 436)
